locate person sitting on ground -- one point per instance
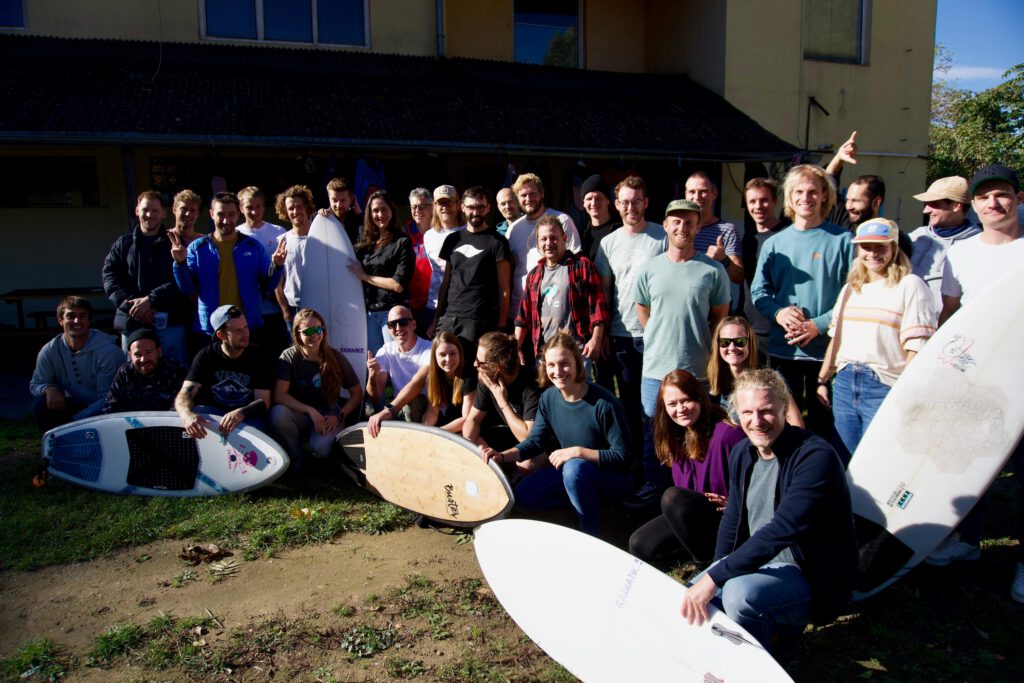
(506, 397)
(582, 428)
(229, 377)
(786, 552)
(310, 376)
(885, 315)
(75, 369)
(397, 362)
(736, 346)
(448, 403)
(693, 436)
(148, 381)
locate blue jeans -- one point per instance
(774, 600)
(376, 330)
(856, 395)
(581, 483)
(654, 472)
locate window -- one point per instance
(49, 182)
(12, 13)
(547, 32)
(836, 30)
(335, 22)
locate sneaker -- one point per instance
(951, 550)
(647, 494)
(1017, 589)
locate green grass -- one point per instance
(60, 523)
(39, 659)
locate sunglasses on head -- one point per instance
(310, 331)
(400, 322)
(740, 342)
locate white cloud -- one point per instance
(973, 72)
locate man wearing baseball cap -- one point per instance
(945, 202)
(971, 267)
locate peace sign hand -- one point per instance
(178, 249)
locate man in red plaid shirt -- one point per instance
(563, 292)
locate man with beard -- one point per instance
(74, 370)
(148, 381)
(230, 377)
(474, 295)
(341, 200)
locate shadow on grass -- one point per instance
(60, 523)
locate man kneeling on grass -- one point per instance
(786, 552)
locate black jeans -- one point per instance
(686, 530)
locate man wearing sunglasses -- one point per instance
(397, 362)
(229, 377)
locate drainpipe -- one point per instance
(440, 28)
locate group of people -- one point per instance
(621, 361)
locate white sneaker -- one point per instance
(953, 549)
(1017, 589)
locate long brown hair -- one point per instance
(720, 378)
(440, 389)
(671, 441)
(372, 235)
(330, 366)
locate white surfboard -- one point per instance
(941, 436)
(605, 615)
(428, 470)
(149, 454)
(337, 294)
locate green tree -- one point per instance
(969, 130)
(562, 49)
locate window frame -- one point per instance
(863, 39)
(24, 19)
(260, 29)
(580, 23)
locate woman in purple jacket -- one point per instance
(693, 436)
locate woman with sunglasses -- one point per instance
(385, 265)
(582, 428)
(693, 436)
(735, 349)
(310, 377)
(883, 317)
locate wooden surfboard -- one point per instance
(429, 471)
(605, 615)
(941, 436)
(335, 293)
(149, 454)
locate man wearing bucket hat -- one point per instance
(971, 266)
(945, 202)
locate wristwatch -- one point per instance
(390, 407)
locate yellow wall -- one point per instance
(396, 26)
(686, 37)
(613, 36)
(479, 29)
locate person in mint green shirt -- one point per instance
(797, 281)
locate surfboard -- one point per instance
(940, 437)
(149, 454)
(605, 615)
(337, 294)
(427, 470)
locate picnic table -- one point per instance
(18, 297)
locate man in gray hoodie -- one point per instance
(75, 369)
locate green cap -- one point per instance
(682, 205)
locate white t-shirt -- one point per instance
(267, 235)
(971, 266)
(524, 249)
(293, 265)
(432, 241)
(401, 366)
(880, 323)
(621, 255)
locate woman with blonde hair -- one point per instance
(582, 428)
(693, 436)
(883, 317)
(447, 217)
(310, 377)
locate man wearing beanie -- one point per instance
(597, 201)
(945, 202)
(148, 381)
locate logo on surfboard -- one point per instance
(955, 353)
(453, 505)
(900, 497)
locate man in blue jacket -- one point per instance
(226, 267)
(787, 550)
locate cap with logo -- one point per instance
(877, 230)
(994, 172)
(445, 192)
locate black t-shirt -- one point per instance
(523, 397)
(594, 235)
(228, 383)
(473, 259)
(394, 260)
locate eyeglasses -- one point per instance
(400, 322)
(634, 203)
(420, 207)
(482, 363)
(445, 202)
(740, 342)
(475, 208)
(310, 331)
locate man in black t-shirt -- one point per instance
(228, 376)
(506, 398)
(474, 294)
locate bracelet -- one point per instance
(391, 408)
(823, 382)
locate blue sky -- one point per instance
(986, 37)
